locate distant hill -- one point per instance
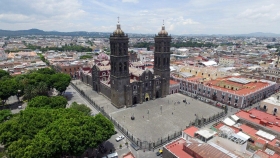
(106, 34)
(55, 33)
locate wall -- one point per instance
(167, 154)
(105, 90)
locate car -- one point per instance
(159, 152)
(19, 107)
(119, 138)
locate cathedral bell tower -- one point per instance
(162, 59)
(119, 60)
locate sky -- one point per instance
(143, 16)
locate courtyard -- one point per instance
(157, 118)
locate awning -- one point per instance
(228, 121)
(243, 135)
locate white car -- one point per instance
(119, 138)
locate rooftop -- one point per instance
(191, 130)
(176, 148)
(245, 88)
(257, 116)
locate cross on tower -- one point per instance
(163, 21)
(118, 19)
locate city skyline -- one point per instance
(142, 16)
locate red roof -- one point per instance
(191, 130)
(254, 86)
(172, 82)
(261, 118)
(176, 148)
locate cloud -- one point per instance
(261, 12)
(130, 1)
(15, 18)
(181, 17)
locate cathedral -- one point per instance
(126, 85)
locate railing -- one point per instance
(142, 144)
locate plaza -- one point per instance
(157, 118)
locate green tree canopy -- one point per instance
(46, 71)
(43, 132)
(60, 81)
(8, 87)
(49, 102)
(5, 115)
(3, 73)
(81, 107)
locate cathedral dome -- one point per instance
(118, 31)
(163, 32)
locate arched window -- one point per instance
(120, 67)
(159, 61)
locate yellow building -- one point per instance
(209, 73)
(228, 61)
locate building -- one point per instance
(233, 91)
(227, 61)
(3, 55)
(72, 68)
(271, 105)
(123, 82)
(194, 148)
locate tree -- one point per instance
(30, 92)
(3, 73)
(60, 81)
(39, 101)
(5, 115)
(43, 132)
(46, 71)
(58, 102)
(49, 102)
(8, 87)
(81, 107)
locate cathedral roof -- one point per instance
(163, 32)
(118, 31)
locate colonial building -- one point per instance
(126, 84)
(233, 91)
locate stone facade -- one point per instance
(126, 84)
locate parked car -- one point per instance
(159, 152)
(119, 138)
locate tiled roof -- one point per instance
(258, 116)
(176, 148)
(172, 82)
(191, 130)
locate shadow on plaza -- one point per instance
(69, 95)
(12, 106)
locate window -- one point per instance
(264, 107)
(146, 84)
(146, 77)
(103, 73)
(275, 110)
(134, 87)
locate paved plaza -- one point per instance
(155, 118)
